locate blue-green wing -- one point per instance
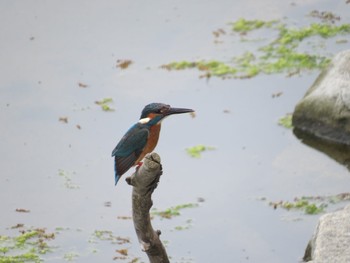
(129, 149)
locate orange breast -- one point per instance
(151, 142)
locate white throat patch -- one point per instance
(144, 120)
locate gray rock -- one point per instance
(331, 241)
(325, 109)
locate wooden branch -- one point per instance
(144, 181)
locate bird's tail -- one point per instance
(123, 164)
(116, 175)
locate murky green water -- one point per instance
(63, 172)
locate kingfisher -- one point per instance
(142, 137)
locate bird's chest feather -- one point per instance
(151, 142)
(152, 139)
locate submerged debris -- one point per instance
(17, 226)
(123, 63)
(325, 16)
(107, 204)
(82, 85)
(124, 217)
(21, 210)
(123, 252)
(219, 32)
(277, 94)
(63, 119)
(341, 41)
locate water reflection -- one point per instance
(338, 152)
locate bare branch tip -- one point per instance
(152, 161)
(129, 181)
(154, 157)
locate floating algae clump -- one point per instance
(282, 54)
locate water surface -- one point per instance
(49, 47)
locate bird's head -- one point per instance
(154, 113)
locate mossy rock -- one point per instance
(325, 109)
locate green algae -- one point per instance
(286, 121)
(311, 205)
(187, 225)
(67, 177)
(21, 240)
(244, 25)
(172, 211)
(28, 246)
(25, 257)
(292, 35)
(70, 256)
(107, 235)
(302, 204)
(282, 54)
(105, 104)
(196, 151)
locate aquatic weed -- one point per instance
(286, 121)
(25, 247)
(244, 25)
(311, 205)
(282, 54)
(105, 104)
(172, 211)
(196, 151)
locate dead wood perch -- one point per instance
(144, 181)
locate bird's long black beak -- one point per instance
(172, 111)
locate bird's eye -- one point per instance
(162, 110)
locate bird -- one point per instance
(142, 137)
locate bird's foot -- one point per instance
(138, 165)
